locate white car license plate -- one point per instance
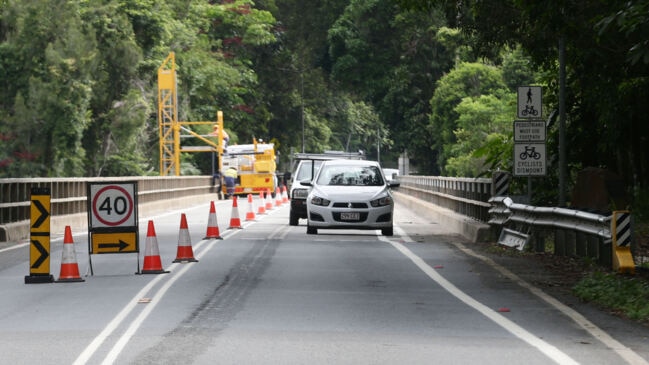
(350, 216)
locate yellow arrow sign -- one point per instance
(114, 242)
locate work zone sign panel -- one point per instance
(112, 217)
(530, 159)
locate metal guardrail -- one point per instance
(567, 232)
(575, 233)
(504, 210)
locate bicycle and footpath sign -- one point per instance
(530, 157)
(112, 218)
(530, 102)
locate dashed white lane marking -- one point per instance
(123, 340)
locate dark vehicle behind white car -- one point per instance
(350, 194)
(304, 171)
(307, 166)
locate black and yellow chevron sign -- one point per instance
(39, 237)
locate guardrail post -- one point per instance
(538, 240)
(560, 242)
(571, 243)
(605, 253)
(592, 246)
(581, 244)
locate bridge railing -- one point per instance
(571, 232)
(466, 196)
(68, 197)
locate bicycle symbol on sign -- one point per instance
(529, 110)
(530, 151)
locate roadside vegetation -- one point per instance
(625, 295)
(622, 294)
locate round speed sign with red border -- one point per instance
(112, 205)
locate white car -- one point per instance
(350, 194)
(391, 174)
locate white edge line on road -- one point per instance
(547, 349)
(626, 353)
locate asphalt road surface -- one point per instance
(268, 293)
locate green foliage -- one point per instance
(632, 21)
(466, 80)
(392, 58)
(518, 70)
(81, 79)
(57, 89)
(483, 135)
(627, 295)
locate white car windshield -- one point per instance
(306, 171)
(350, 175)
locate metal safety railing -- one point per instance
(572, 232)
(68, 196)
(466, 196)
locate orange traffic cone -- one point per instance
(185, 252)
(152, 263)
(250, 214)
(278, 197)
(269, 202)
(69, 266)
(212, 225)
(235, 222)
(284, 195)
(262, 204)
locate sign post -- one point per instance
(39, 237)
(112, 218)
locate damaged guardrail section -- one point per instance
(574, 233)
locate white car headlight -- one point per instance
(300, 193)
(316, 200)
(386, 200)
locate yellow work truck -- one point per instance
(255, 164)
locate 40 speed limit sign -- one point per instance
(112, 205)
(112, 219)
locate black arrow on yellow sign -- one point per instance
(121, 245)
(114, 242)
(43, 254)
(44, 213)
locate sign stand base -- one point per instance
(39, 279)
